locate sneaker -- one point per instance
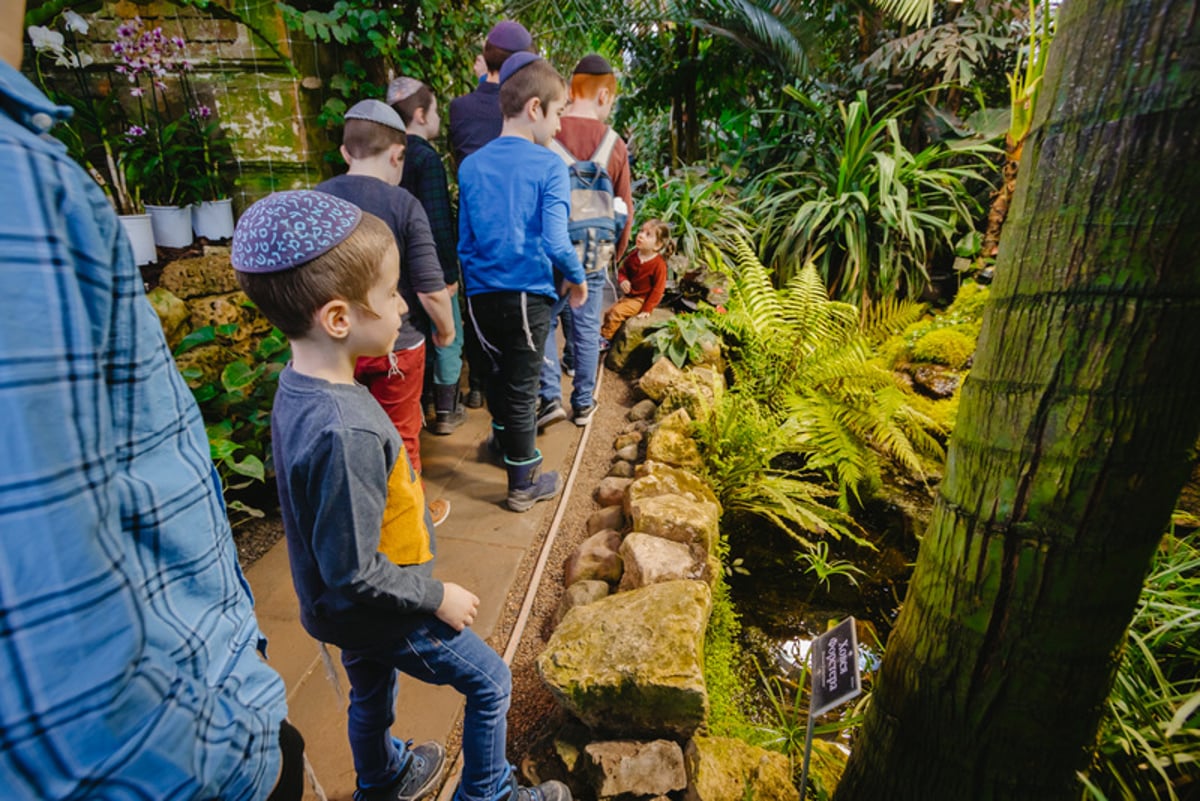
(474, 399)
(569, 371)
(546, 791)
(439, 510)
(584, 416)
(426, 764)
(549, 412)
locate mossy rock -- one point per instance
(632, 664)
(173, 314)
(726, 769)
(951, 347)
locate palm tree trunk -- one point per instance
(1075, 432)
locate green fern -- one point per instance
(806, 362)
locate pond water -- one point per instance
(783, 608)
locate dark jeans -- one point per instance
(435, 654)
(477, 362)
(512, 328)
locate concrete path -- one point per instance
(480, 546)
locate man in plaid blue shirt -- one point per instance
(128, 643)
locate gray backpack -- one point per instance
(595, 224)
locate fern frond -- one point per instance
(889, 316)
(754, 293)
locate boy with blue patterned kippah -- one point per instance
(360, 539)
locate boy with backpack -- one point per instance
(514, 200)
(598, 162)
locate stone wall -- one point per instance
(626, 657)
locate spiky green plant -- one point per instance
(1149, 745)
(868, 211)
(807, 361)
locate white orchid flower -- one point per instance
(75, 22)
(44, 38)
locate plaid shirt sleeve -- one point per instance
(428, 183)
(128, 642)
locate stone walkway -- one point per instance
(480, 546)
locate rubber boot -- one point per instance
(527, 484)
(449, 413)
(495, 444)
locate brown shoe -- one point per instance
(439, 510)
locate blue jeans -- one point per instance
(436, 654)
(585, 338)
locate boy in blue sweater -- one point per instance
(514, 201)
(360, 539)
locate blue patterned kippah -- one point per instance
(287, 229)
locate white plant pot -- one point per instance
(172, 225)
(213, 219)
(141, 235)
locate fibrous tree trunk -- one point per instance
(1074, 436)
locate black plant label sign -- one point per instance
(835, 676)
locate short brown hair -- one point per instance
(587, 86)
(662, 234)
(364, 139)
(422, 99)
(290, 298)
(536, 79)
(494, 56)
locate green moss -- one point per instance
(725, 716)
(949, 346)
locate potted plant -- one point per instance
(97, 133)
(158, 146)
(212, 211)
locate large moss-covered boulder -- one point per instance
(232, 309)
(632, 664)
(725, 769)
(199, 276)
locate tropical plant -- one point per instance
(236, 407)
(817, 562)
(744, 446)
(429, 39)
(806, 359)
(1149, 745)
(683, 338)
(703, 212)
(866, 210)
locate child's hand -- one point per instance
(625, 285)
(578, 294)
(459, 606)
(642, 315)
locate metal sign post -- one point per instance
(835, 680)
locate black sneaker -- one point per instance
(474, 399)
(549, 412)
(584, 416)
(426, 764)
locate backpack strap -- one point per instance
(605, 148)
(562, 152)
